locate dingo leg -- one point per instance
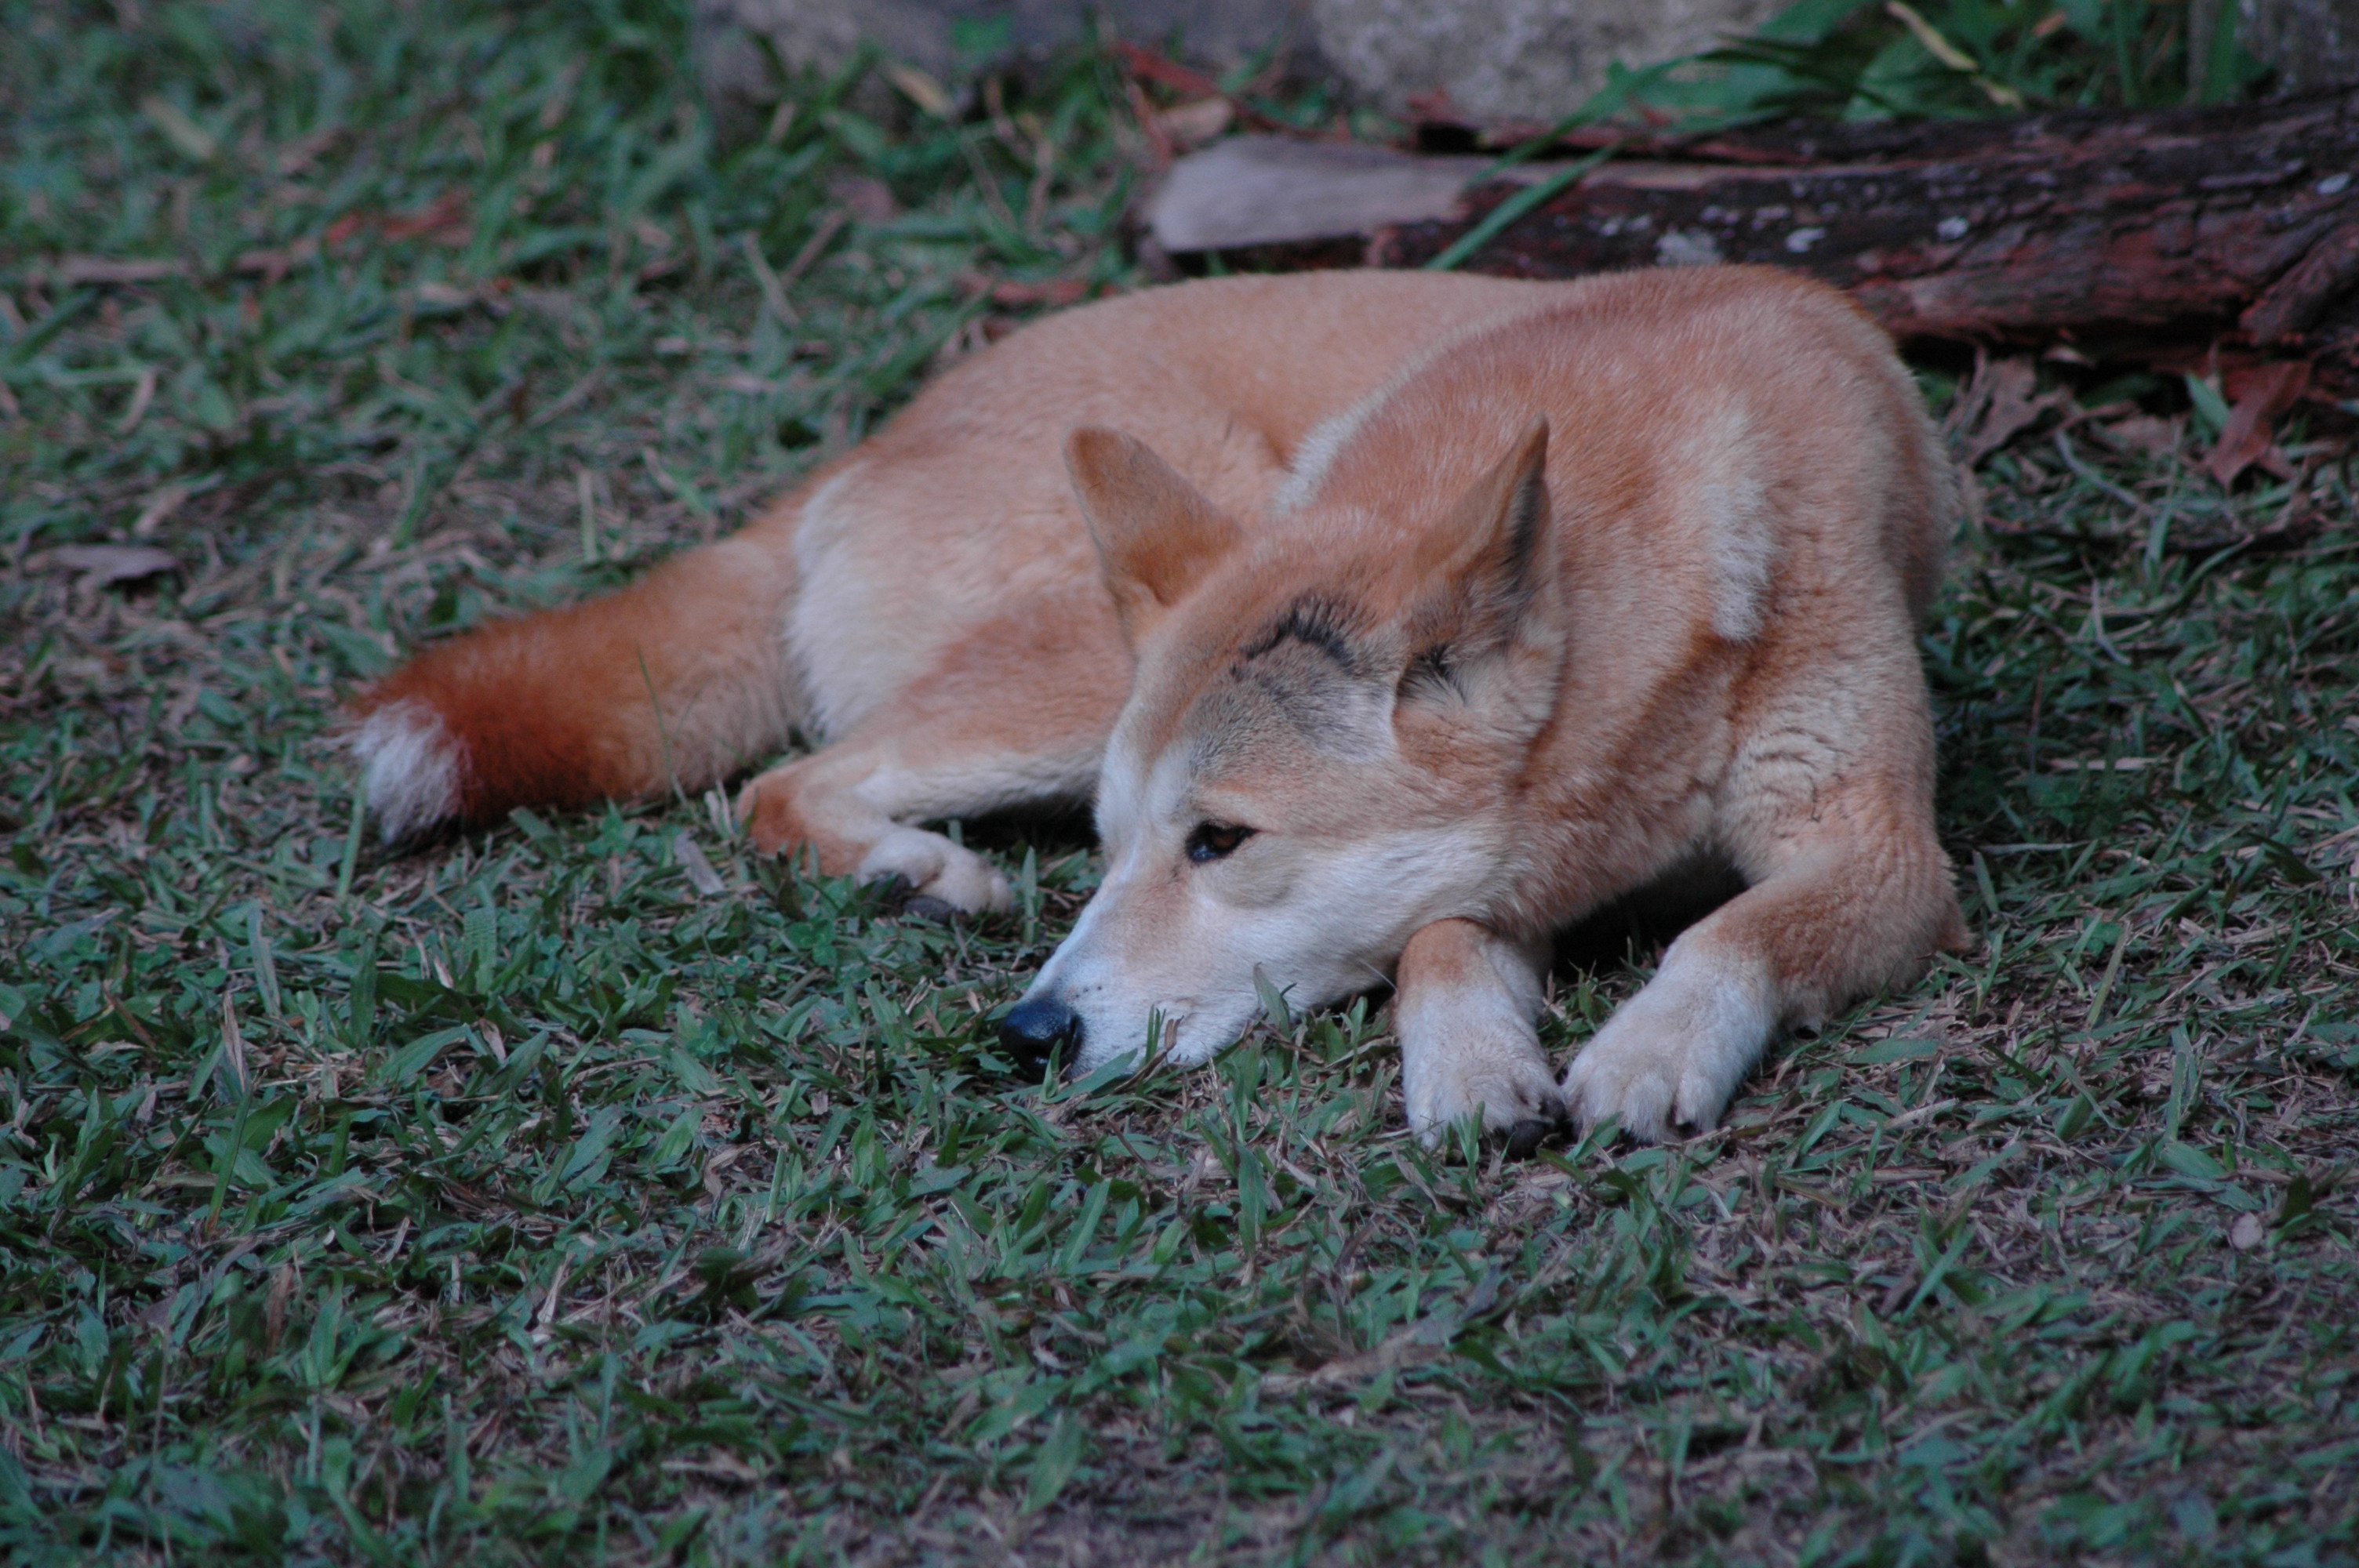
(1465, 1013)
(853, 804)
(1851, 893)
(1014, 714)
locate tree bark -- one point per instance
(2125, 232)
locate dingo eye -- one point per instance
(1214, 841)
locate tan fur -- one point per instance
(1566, 584)
(917, 599)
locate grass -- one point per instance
(1955, 59)
(514, 1201)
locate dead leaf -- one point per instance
(142, 395)
(1160, 152)
(445, 221)
(72, 271)
(2006, 393)
(101, 566)
(179, 129)
(273, 264)
(2155, 436)
(445, 297)
(1403, 1347)
(921, 90)
(1153, 67)
(1192, 125)
(723, 1465)
(701, 873)
(2273, 389)
(164, 501)
(1057, 291)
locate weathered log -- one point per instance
(2115, 229)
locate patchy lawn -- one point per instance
(513, 1200)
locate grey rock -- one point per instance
(2310, 44)
(821, 35)
(1497, 59)
(1515, 60)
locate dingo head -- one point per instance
(1322, 747)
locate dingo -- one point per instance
(1410, 618)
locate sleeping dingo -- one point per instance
(1396, 621)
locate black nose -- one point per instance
(1036, 1026)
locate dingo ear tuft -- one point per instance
(1156, 535)
(1485, 564)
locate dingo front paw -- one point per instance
(1675, 1051)
(1468, 1047)
(1507, 1082)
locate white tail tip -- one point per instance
(409, 768)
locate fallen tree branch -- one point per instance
(2129, 232)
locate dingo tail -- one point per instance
(671, 682)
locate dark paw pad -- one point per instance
(925, 906)
(1525, 1138)
(882, 895)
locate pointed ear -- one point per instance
(1156, 535)
(1485, 563)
